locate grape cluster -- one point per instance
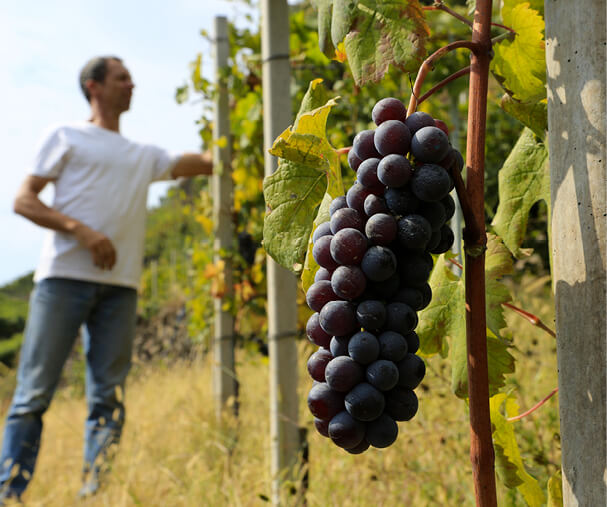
(375, 260)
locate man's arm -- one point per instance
(28, 204)
(193, 164)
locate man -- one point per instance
(88, 272)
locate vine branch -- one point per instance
(534, 319)
(534, 407)
(440, 6)
(462, 72)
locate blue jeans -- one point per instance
(58, 307)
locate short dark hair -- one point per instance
(95, 69)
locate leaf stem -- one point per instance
(440, 6)
(462, 72)
(427, 66)
(534, 319)
(534, 408)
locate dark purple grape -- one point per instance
(414, 232)
(356, 195)
(394, 171)
(430, 144)
(319, 294)
(365, 402)
(426, 293)
(317, 363)
(393, 346)
(414, 269)
(411, 371)
(449, 204)
(367, 175)
(382, 432)
(375, 204)
(412, 342)
(343, 373)
(418, 120)
(434, 212)
(337, 203)
(434, 241)
(360, 448)
(442, 125)
(381, 229)
(346, 218)
(322, 253)
(446, 240)
(401, 403)
(348, 282)
(382, 374)
(409, 295)
(345, 431)
(400, 318)
(363, 347)
(447, 162)
(322, 274)
(378, 263)
(363, 145)
(315, 333)
(339, 345)
(459, 163)
(401, 201)
(323, 229)
(323, 402)
(430, 182)
(353, 160)
(388, 108)
(383, 290)
(348, 247)
(338, 318)
(371, 315)
(322, 427)
(392, 136)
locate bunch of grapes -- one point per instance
(375, 260)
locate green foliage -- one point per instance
(9, 349)
(533, 115)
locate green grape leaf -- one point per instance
(508, 5)
(308, 167)
(531, 114)
(324, 27)
(520, 65)
(523, 180)
(508, 462)
(555, 490)
(310, 266)
(344, 12)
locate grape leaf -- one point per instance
(508, 462)
(555, 490)
(308, 167)
(508, 5)
(531, 114)
(375, 33)
(520, 64)
(523, 180)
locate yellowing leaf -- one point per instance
(555, 490)
(340, 53)
(206, 222)
(221, 142)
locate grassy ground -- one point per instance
(174, 453)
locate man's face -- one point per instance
(115, 92)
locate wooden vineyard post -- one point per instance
(575, 54)
(282, 284)
(224, 375)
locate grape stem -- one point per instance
(534, 407)
(440, 6)
(472, 230)
(343, 151)
(462, 72)
(428, 64)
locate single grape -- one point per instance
(388, 108)
(346, 218)
(317, 364)
(400, 318)
(411, 371)
(345, 431)
(371, 315)
(446, 240)
(322, 427)
(360, 448)
(392, 136)
(375, 204)
(412, 342)
(339, 345)
(449, 204)
(322, 253)
(383, 290)
(323, 402)
(353, 160)
(338, 318)
(394, 171)
(322, 274)
(414, 232)
(430, 182)
(338, 203)
(363, 347)
(348, 247)
(382, 374)
(363, 145)
(401, 403)
(459, 163)
(441, 125)
(355, 197)
(426, 293)
(342, 373)
(348, 282)
(434, 241)
(393, 346)
(315, 333)
(430, 144)
(401, 201)
(410, 296)
(378, 263)
(367, 175)
(418, 120)
(323, 229)
(381, 229)
(447, 162)
(364, 402)
(382, 432)
(434, 212)
(414, 268)
(319, 294)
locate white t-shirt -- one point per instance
(101, 180)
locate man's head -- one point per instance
(106, 81)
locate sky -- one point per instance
(43, 46)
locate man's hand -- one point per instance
(100, 246)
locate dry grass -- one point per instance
(174, 453)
